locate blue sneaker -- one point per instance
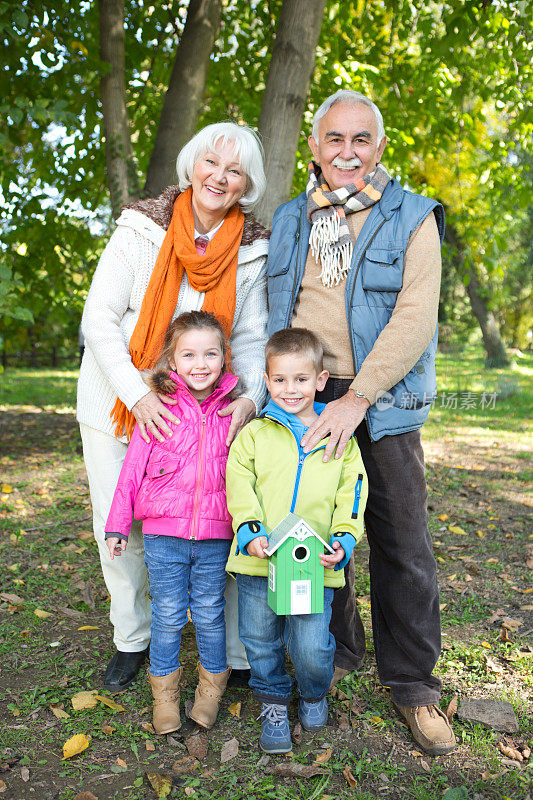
(275, 734)
(313, 716)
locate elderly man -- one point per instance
(356, 259)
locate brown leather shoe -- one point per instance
(211, 686)
(430, 728)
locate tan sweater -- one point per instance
(409, 330)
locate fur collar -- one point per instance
(159, 210)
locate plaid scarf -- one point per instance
(330, 239)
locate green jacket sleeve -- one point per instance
(243, 504)
(352, 494)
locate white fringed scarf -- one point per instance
(330, 240)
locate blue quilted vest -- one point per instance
(372, 286)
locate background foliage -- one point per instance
(453, 81)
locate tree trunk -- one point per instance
(121, 172)
(185, 93)
(492, 340)
(287, 85)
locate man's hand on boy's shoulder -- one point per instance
(257, 547)
(331, 560)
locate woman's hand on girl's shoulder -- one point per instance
(150, 413)
(242, 410)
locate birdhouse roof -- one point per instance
(292, 526)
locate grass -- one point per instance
(477, 471)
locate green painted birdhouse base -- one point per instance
(295, 574)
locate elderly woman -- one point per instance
(147, 275)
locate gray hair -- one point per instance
(351, 98)
(247, 148)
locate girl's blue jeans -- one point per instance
(267, 637)
(186, 574)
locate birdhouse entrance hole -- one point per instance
(301, 553)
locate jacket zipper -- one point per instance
(301, 460)
(296, 271)
(200, 472)
(348, 310)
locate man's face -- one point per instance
(347, 147)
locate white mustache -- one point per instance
(352, 163)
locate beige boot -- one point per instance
(210, 689)
(166, 694)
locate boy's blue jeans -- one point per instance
(266, 636)
(186, 573)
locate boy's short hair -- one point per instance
(295, 340)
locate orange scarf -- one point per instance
(214, 273)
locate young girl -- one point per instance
(177, 487)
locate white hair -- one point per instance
(351, 98)
(247, 148)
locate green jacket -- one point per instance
(268, 475)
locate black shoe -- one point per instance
(123, 669)
(239, 677)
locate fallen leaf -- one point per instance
(107, 701)
(11, 598)
(150, 746)
(3, 786)
(347, 772)
(42, 614)
(494, 667)
(108, 729)
(508, 622)
(416, 754)
(148, 727)
(496, 616)
(510, 752)
(342, 721)
(6, 488)
(89, 628)
(442, 606)
(297, 733)
(161, 784)
(185, 765)
(452, 708)
(324, 756)
(230, 750)
(492, 561)
(189, 791)
(86, 796)
(487, 645)
(197, 745)
(526, 608)
(76, 744)
(425, 766)
(122, 763)
(25, 774)
(504, 635)
(444, 517)
(235, 709)
(291, 769)
(84, 700)
(57, 711)
(457, 529)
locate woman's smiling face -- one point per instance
(218, 182)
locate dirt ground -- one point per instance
(479, 518)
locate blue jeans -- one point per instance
(186, 573)
(266, 636)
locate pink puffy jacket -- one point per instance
(178, 487)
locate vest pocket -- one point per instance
(383, 270)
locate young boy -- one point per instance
(268, 475)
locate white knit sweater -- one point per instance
(112, 310)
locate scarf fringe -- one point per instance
(329, 240)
